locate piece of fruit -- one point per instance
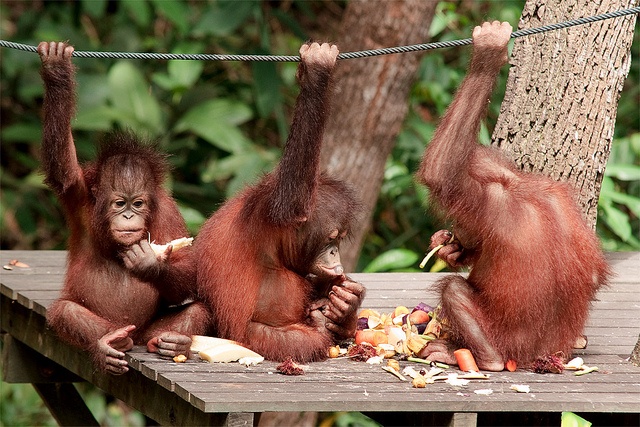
(386, 350)
(289, 367)
(419, 316)
(396, 336)
(373, 322)
(176, 243)
(399, 311)
(394, 364)
(419, 382)
(200, 342)
(368, 312)
(213, 349)
(227, 353)
(334, 351)
(415, 343)
(371, 336)
(575, 363)
(181, 358)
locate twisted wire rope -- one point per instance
(346, 55)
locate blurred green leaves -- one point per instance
(216, 121)
(134, 107)
(223, 17)
(181, 75)
(619, 204)
(393, 260)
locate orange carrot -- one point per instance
(511, 365)
(465, 360)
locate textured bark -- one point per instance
(562, 93)
(370, 102)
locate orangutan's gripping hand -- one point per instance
(112, 346)
(143, 262)
(340, 308)
(451, 251)
(170, 344)
(490, 42)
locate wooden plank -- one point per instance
(625, 265)
(372, 399)
(193, 382)
(616, 322)
(29, 298)
(343, 369)
(43, 258)
(337, 385)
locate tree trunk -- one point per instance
(559, 111)
(370, 102)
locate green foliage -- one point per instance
(398, 259)
(619, 204)
(569, 419)
(29, 412)
(348, 419)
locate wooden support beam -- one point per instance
(65, 404)
(464, 419)
(24, 365)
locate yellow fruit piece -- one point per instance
(214, 349)
(334, 351)
(367, 312)
(419, 382)
(181, 358)
(176, 243)
(227, 353)
(400, 310)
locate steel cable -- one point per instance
(346, 55)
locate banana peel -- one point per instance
(415, 343)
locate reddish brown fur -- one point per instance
(101, 296)
(256, 251)
(536, 266)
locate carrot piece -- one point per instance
(465, 360)
(511, 365)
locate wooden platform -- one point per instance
(199, 393)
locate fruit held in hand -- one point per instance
(180, 243)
